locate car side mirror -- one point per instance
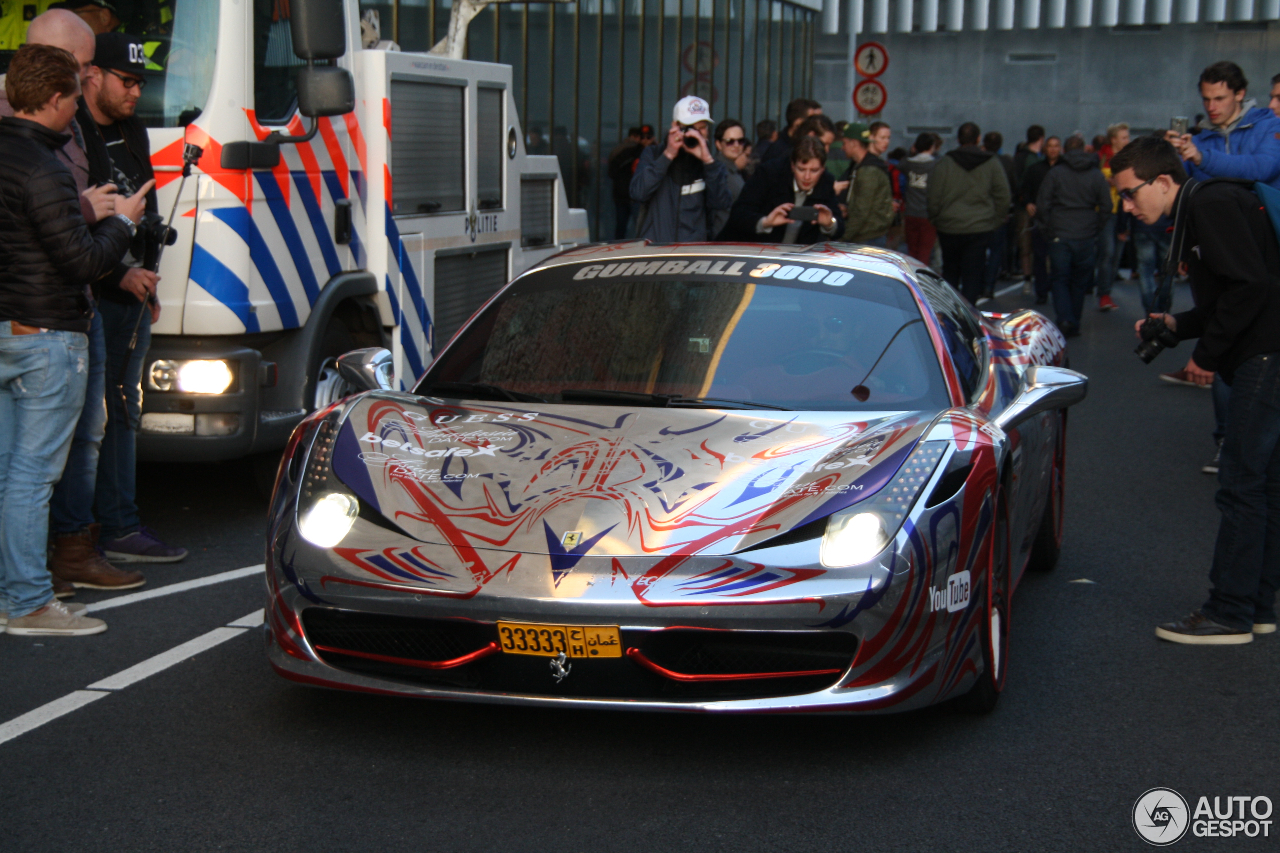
(1044, 389)
(369, 369)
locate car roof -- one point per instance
(851, 256)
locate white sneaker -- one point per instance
(1264, 627)
(55, 620)
(71, 608)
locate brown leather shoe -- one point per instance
(77, 561)
(62, 589)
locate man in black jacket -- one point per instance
(1031, 180)
(120, 152)
(47, 253)
(1226, 240)
(762, 212)
(1072, 206)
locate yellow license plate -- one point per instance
(576, 641)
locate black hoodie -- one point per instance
(1075, 200)
(1230, 249)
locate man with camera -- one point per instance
(1226, 240)
(120, 153)
(47, 253)
(681, 184)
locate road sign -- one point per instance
(870, 59)
(869, 97)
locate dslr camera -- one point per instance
(691, 137)
(1156, 336)
(151, 234)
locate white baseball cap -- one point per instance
(691, 110)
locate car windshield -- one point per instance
(709, 331)
(179, 40)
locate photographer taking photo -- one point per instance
(1226, 240)
(119, 151)
(681, 185)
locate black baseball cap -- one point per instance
(120, 52)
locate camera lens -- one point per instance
(690, 140)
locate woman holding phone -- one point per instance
(788, 201)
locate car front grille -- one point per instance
(677, 665)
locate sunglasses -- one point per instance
(734, 140)
(138, 83)
(1128, 194)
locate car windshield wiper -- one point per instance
(451, 389)
(720, 402)
(639, 398)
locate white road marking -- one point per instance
(164, 660)
(1010, 289)
(45, 713)
(195, 583)
(79, 698)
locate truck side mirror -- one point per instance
(318, 29)
(325, 90)
(319, 32)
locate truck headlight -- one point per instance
(857, 534)
(328, 520)
(200, 376)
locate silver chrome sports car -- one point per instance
(713, 477)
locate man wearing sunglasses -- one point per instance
(1232, 258)
(120, 153)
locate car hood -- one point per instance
(573, 480)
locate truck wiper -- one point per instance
(452, 389)
(640, 398)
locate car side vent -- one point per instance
(951, 482)
(803, 533)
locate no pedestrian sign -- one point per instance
(869, 97)
(870, 59)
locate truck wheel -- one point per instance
(328, 385)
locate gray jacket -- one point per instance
(677, 212)
(1074, 201)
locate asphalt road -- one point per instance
(217, 753)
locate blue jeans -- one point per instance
(115, 500)
(42, 382)
(71, 509)
(1157, 288)
(1108, 257)
(1071, 269)
(1246, 556)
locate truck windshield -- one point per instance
(179, 37)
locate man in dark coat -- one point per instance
(1072, 206)
(47, 253)
(1226, 240)
(761, 214)
(680, 183)
(120, 151)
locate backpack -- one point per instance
(1269, 202)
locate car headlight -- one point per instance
(199, 376)
(857, 534)
(329, 519)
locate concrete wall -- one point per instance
(1097, 76)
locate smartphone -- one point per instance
(1178, 124)
(803, 214)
